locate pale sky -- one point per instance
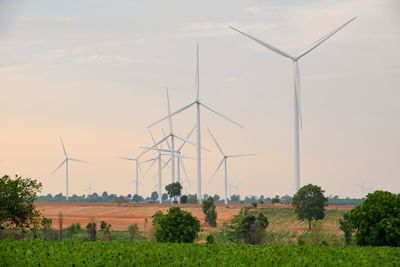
(95, 72)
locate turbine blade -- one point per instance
(186, 157)
(169, 113)
(273, 48)
(197, 78)
(240, 155)
(219, 114)
(148, 160)
(140, 169)
(62, 143)
(298, 92)
(59, 166)
(154, 146)
(152, 137)
(184, 139)
(215, 141)
(165, 164)
(158, 149)
(154, 161)
(323, 39)
(184, 170)
(126, 158)
(219, 166)
(173, 113)
(187, 137)
(78, 160)
(169, 147)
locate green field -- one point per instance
(79, 253)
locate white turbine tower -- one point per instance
(90, 188)
(297, 91)
(66, 160)
(138, 168)
(198, 103)
(224, 160)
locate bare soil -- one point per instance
(120, 216)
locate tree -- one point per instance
(91, 229)
(133, 230)
(137, 198)
(216, 197)
(154, 196)
(210, 212)
(176, 226)
(235, 198)
(174, 190)
(17, 198)
(310, 203)
(184, 199)
(345, 226)
(377, 220)
(164, 196)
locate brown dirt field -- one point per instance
(121, 216)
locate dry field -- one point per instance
(120, 216)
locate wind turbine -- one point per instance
(297, 91)
(137, 169)
(198, 103)
(66, 160)
(224, 160)
(90, 188)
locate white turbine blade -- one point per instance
(215, 141)
(154, 146)
(62, 143)
(273, 48)
(152, 137)
(219, 166)
(140, 169)
(148, 160)
(126, 158)
(154, 161)
(169, 113)
(197, 75)
(216, 112)
(186, 157)
(78, 160)
(158, 149)
(240, 155)
(187, 137)
(169, 147)
(298, 91)
(165, 164)
(184, 139)
(173, 113)
(59, 166)
(184, 170)
(320, 41)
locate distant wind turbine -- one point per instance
(198, 103)
(90, 188)
(66, 160)
(138, 168)
(224, 160)
(297, 91)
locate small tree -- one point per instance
(174, 190)
(17, 198)
(210, 212)
(184, 199)
(154, 196)
(91, 229)
(377, 220)
(345, 226)
(133, 230)
(176, 226)
(310, 203)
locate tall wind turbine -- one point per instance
(224, 160)
(90, 188)
(66, 160)
(138, 168)
(297, 91)
(198, 103)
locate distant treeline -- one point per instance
(234, 199)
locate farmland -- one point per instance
(78, 253)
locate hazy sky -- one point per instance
(95, 72)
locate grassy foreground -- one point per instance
(79, 253)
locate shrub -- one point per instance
(377, 220)
(91, 229)
(210, 239)
(175, 226)
(210, 212)
(133, 230)
(345, 226)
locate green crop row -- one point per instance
(79, 253)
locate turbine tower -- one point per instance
(198, 103)
(66, 160)
(297, 91)
(224, 160)
(137, 169)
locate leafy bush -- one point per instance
(175, 226)
(133, 230)
(210, 239)
(345, 226)
(377, 220)
(91, 229)
(210, 212)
